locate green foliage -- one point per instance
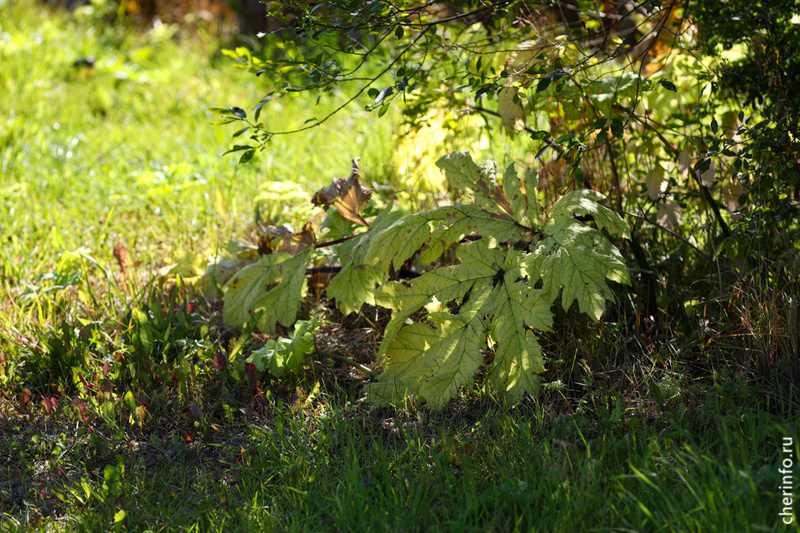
(122, 406)
(652, 103)
(488, 302)
(286, 354)
(274, 286)
(355, 283)
(490, 294)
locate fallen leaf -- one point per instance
(283, 239)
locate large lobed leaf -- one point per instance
(436, 231)
(431, 364)
(355, 283)
(519, 310)
(478, 264)
(576, 259)
(487, 304)
(273, 286)
(488, 300)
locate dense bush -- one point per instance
(682, 115)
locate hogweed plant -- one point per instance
(512, 261)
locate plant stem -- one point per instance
(342, 359)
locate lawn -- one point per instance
(117, 412)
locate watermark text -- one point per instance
(786, 487)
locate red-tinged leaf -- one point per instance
(252, 372)
(83, 380)
(47, 406)
(140, 412)
(220, 361)
(107, 386)
(81, 406)
(25, 399)
(299, 398)
(105, 370)
(175, 379)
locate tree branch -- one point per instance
(359, 93)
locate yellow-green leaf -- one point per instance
(275, 285)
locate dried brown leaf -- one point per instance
(283, 239)
(347, 195)
(121, 255)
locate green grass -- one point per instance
(335, 467)
(125, 151)
(110, 399)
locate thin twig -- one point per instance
(360, 92)
(664, 228)
(726, 231)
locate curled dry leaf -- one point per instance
(347, 195)
(283, 239)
